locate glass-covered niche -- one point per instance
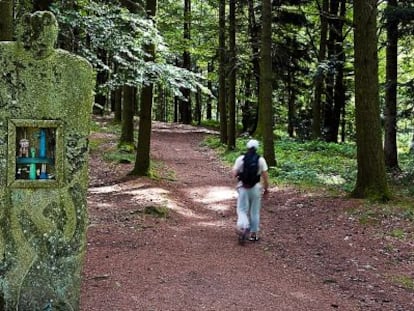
(35, 147)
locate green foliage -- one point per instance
(119, 156)
(157, 211)
(113, 40)
(212, 124)
(329, 166)
(310, 164)
(398, 233)
(404, 281)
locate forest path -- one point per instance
(312, 256)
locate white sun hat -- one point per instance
(252, 143)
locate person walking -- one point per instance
(249, 168)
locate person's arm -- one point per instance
(236, 167)
(234, 172)
(265, 177)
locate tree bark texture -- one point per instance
(266, 85)
(231, 139)
(186, 116)
(254, 34)
(116, 99)
(127, 127)
(371, 178)
(210, 87)
(339, 89)
(319, 82)
(222, 72)
(335, 93)
(142, 160)
(390, 111)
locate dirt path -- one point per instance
(314, 255)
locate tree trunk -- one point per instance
(266, 89)
(319, 83)
(231, 139)
(371, 178)
(222, 72)
(6, 20)
(330, 124)
(127, 127)
(339, 90)
(142, 160)
(249, 117)
(102, 76)
(117, 105)
(185, 109)
(198, 108)
(254, 32)
(292, 114)
(390, 111)
(210, 87)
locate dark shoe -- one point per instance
(254, 238)
(243, 236)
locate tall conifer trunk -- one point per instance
(371, 179)
(222, 72)
(266, 85)
(390, 111)
(142, 160)
(319, 82)
(185, 105)
(231, 139)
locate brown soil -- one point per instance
(315, 253)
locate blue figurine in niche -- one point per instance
(42, 143)
(42, 153)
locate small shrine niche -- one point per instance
(35, 145)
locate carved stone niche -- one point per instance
(35, 153)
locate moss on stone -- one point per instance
(43, 228)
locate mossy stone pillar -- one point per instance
(46, 98)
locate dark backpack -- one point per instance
(249, 176)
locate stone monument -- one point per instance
(46, 98)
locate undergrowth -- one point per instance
(329, 167)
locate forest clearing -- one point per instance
(316, 253)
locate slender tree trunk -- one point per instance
(210, 87)
(292, 114)
(176, 109)
(127, 127)
(254, 33)
(117, 105)
(198, 110)
(390, 111)
(161, 110)
(231, 139)
(266, 85)
(222, 72)
(186, 116)
(319, 83)
(329, 112)
(142, 160)
(371, 178)
(339, 89)
(246, 107)
(102, 76)
(6, 20)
